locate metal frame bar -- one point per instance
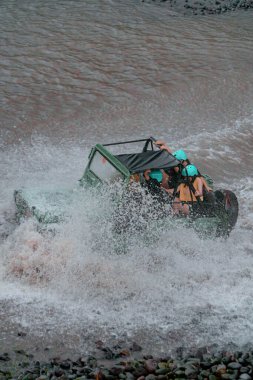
(126, 142)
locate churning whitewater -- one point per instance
(76, 74)
(176, 290)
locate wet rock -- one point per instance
(5, 357)
(77, 370)
(135, 347)
(204, 374)
(150, 377)
(150, 365)
(58, 372)
(162, 371)
(193, 360)
(191, 372)
(227, 376)
(244, 369)
(206, 365)
(245, 376)
(234, 365)
(180, 374)
(65, 364)
(24, 364)
(221, 368)
(109, 354)
(92, 362)
(117, 369)
(20, 352)
(212, 377)
(140, 371)
(129, 376)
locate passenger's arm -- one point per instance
(205, 184)
(162, 145)
(146, 174)
(199, 191)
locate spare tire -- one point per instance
(228, 208)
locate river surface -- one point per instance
(75, 73)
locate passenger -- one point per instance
(153, 180)
(134, 178)
(189, 194)
(172, 177)
(153, 184)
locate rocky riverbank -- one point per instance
(204, 7)
(128, 364)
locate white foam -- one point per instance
(174, 287)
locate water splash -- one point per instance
(168, 287)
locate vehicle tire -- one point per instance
(227, 210)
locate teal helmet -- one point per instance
(156, 174)
(180, 155)
(190, 171)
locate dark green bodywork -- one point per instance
(91, 178)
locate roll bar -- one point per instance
(148, 141)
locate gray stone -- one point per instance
(150, 377)
(206, 365)
(234, 365)
(129, 376)
(193, 361)
(227, 376)
(150, 365)
(191, 372)
(245, 376)
(162, 371)
(205, 374)
(180, 373)
(221, 368)
(244, 369)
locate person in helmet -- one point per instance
(153, 179)
(172, 177)
(180, 154)
(153, 184)
(189, 194)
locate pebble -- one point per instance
(234, 365)
(245, 376)
(150, 365)
(207, 7)
(217, 366)
(150, 377)
(129, 376)
(221, 368)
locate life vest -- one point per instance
(186, 194)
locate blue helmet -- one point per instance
(190, 171)
(180, 155)
(156, 174)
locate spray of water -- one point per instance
(170, 288)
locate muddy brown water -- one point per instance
(74, 73)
